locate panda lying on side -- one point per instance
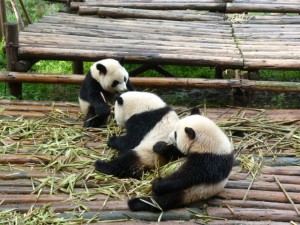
(209, 160)
(147, 120)
(104, 79)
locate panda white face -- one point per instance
(134, 102)
(111, 75)
(197, 133)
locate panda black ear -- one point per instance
(102, 69)
(120, 100)
(122, 61)
(190, 132)
(195, 111)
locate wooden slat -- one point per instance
(258, 214)
(167, 5)
(158, 82)
(269, 46)
(267, 7)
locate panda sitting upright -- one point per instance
(208, 160)
(104, 79)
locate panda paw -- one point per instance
(136, 204)
(102, 110)
(102, 167)
(112, 142)
(159, 187)
(159, 147)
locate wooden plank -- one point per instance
(145, 82)
(266, 178)
(251, 204)
(181, 15)
(154, 5)
(254, 7)
(27, 52)
(255, 214)
(265, 186)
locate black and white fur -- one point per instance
(147, 119)
(208, 161)
(104, 79)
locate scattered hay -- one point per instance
(68, 151)
(238, 18)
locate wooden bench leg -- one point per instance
(12, 45)
(78, 67)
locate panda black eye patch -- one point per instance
(115, 83)
(175, 135)
(125, 79)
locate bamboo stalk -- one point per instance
(25, 12)
(287, 195)
(14, 5)
(3, 19)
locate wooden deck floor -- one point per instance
(33, 145)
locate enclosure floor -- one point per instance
(24, 169)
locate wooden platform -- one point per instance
(47, 159)
(167, 37)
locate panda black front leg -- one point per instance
(127, 165)
(165, 202)
(168, 151)
(117, 143)
(97, 114)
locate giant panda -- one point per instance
(147, 119)
(104, 79)
(204, 173)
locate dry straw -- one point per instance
(66, 152)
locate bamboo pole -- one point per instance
(15, 7)
(3, 19)
(276, 86)
(25, 12)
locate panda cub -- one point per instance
(147, 119)
(204, 173)
(105, 78)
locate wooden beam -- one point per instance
(276, 86)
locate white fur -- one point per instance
(84, 106)
(209, 137)
(204, 191)
(136, 102)
(160, 132)
(115, 71)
